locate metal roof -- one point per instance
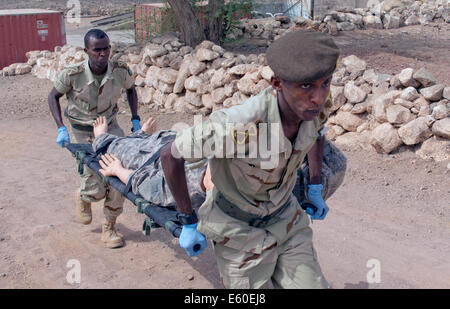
(26, 12)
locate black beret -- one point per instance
(303, 56)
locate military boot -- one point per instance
(110, 237)
(84, 212)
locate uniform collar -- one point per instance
(306, 132)
(90, 75)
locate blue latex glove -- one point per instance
(190, 237)
(136, 125)
(315, 197)
(63, 137)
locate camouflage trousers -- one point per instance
(248, 257)
(92, 188)
(283, 252)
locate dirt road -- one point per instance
(394, 209)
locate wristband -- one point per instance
(187, 219)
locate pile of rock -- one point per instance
(384, 112)
(45, 64)
(370, 110)
(388, 14)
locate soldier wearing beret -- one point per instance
(93, 88)
(257, 227)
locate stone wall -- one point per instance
(371, 110)
(322, 7)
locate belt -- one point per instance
(86, 128)
(252, 220)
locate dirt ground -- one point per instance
(392, 208)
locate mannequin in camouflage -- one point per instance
(128, 158)
(135, 161)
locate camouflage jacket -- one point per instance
(140, 152)
(88, 98)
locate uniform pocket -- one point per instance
(247, 171)
(152, 190)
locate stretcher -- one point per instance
(156, 216)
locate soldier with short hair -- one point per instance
(93, 88)
(258, 229)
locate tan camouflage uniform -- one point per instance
(140, 152)
(87, 100)
(249, 256)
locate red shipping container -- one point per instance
(25, 30)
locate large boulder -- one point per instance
(348, 141)
(397, 114)
(218, 78)
(218, 95)
(415, 132)
(170, 101)
(348, 121)
(382, 102)
(446, 93)
(145, 94)
(440, 112)
(353, 93)
(154, 51)
(193, 98)
(204, 54)
(442, 128)
(424, 77)
(267, 73)
(406, 78)
(371, 21)
(193, 83)
(354, 65)
(433, 93)
(23, 68)
(385, 138)
(245, 85)
(196, 66)
(242, 69)
(435, 148)
(391, 22)
(409, 94)
(338, 97)
(412, 20)
(207, 100)
(151, 78)
(168, 75)
(183, 74)
(388, 5)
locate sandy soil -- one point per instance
(390, 208)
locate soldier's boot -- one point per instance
(110, 237)
(83, 209)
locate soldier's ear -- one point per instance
(276, 83)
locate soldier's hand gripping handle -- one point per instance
(63, 137)
(315, 197)
(192, 240)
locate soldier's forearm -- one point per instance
(315, 157)
(176, 179)
(55, 108)
(123, 174)
(132, 101)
